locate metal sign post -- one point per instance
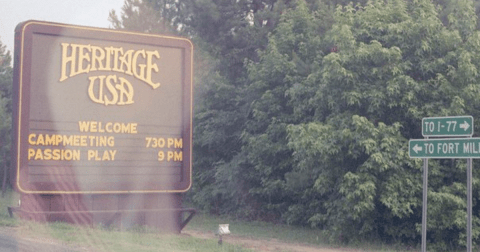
(467, 148)
(424, 207)
(469, 205)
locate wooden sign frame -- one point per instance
(84, 123)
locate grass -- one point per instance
(9, 199)
(143, 239)
(258, 229)
(98, 239)
(286, 233)
(105, 239)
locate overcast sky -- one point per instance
(79, 12)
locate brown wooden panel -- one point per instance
(57, 204)
(167, 220)
(76, 207)
(76, 109)
(131, 218)
(104, 202)
(31, 204)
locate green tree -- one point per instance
(294, 53)
(225, 34)
(246, 155)
(303, 111)
(5, 111)
(396, 63)
(160, 17)
(231, 32)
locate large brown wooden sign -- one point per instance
(101, 111)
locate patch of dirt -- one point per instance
(262, 245)
(11, 240)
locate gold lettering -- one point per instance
(174, 156)
(178, 143)
(53, 154)
(67, 155)
(177, 156)
(108, 127)
(117, 127)
(140, 75)
(93, 155)
(112, 90)
(126, 61)
(83, 125)
(58, 139)
(76, 155)
(82, 56)
(111, 141)
(31, 153)
(100, 129)
(105, 156)
(83, 141)
(133, 127)
(31, 140)
(47, 154)
(91, 93)
(67, 140)
(93, 126)
(102, 141)
(150, 67)
(109, 51)
(76, 140)
(116, 51)
(125, 128)
(91, 140)
(40, 140)
(56, 154)
(85, 58)
(68, 59)
(90, 154)
(39, 155)
(97, 58)
(49, 139)
(161, 142)
(124, 92)
(170, 142)
(108, 155)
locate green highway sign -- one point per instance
(444, 148)
(447, 126)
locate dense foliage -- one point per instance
(5, 111)
(304, 108)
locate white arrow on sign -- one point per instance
(417, 148)
(464, 125)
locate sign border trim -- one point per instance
(23, 27)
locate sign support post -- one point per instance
(469, 205)
(424, 207)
